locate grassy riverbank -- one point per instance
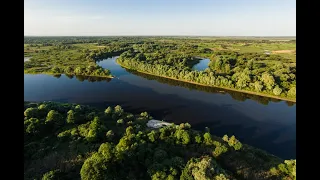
(231, 89)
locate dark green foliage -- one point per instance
(52, 175)
(233, 142)
(98, 148)
(71, 117)
(31, 112)
(32, 125)
(286, 170)
(202, 168)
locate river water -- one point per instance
(265, 123)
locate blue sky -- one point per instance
(160, 17)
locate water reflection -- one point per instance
(82, 78)
(235, 95)
(202, 65)
(266, 123)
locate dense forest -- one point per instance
(256, 66)
(261, 73)
(71, 141)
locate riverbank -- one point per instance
(231, 89)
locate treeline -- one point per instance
(235, 95)
(79, 40)
(69, 141)
(72, 60)
(262, 73)
(88, 71)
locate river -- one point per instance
(265, 123)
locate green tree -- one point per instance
(153, 136)
(70, 117)
(197, 139)
(207, 138)
(110, 134)
(292, 92)
(56, 70)
(235, 143)
(31, 112)
(95, 168)
(32, 125)
(277, 91)
(54, 117)
(118, 110)
(108, 110)
(199, 169)
(258, 86)
(120, 121)
(106, 150)
(268, 80)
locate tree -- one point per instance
(32, 125)
(31, 112)
(197, 139)
(268, 80)
(54, 117)
(235, 143)
(94, 168)
(153, 136)
(106, 150)
(218, 64)
(118, 110)
(110, 134)
(225, 138)
(277, 91)
(185, 138)
(219, 149)
(292, 92)
(129, 130)
(258, 86)
(78, 70)
(144, 114)
(108, 110)
(120, 121)
(42, 107)
(199, 169)
(56, 70)
(70, 117)
(69, 70)
(207, 138)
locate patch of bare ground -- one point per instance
(283, 51)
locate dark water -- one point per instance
(202, 65)
(262, 122)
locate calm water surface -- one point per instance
(202, 65)
(262, 122)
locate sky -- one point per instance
(160, 17)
